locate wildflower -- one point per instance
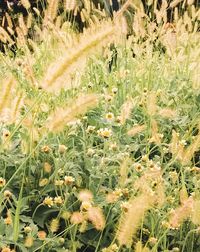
(85, 196)
(119, 119)
(58, 200)
(59, 182)
(6, 249)
(2, 182)
(114, 90)
(69, 180)
(48, 201)
(114, 196)
(85, 206)
(42, 235)
(111, 248)
(145, 158)
(106, 133)
(47, 167)
(138, 167)
(113, 146)
(173, 176)
(61, 240)
(90, 152)
(125, 206)
(77, 218)
(152, 241)
(145, 90)
(165, 224)
(28, 241)
(6, 134)
(27, 229)
(175, 249)
(83, 227)
(65, 215)
(90, 129)
(108, 98)
(62, 148)
(8, 219)
(43, 182)
(45, 149)
(109, 117)
(7, 194)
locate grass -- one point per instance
(106, 160)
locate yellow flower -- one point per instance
(58, 200)
(109, 116)
(125, 206)
(62, 148)
(2, 182)
(90, 129)
(48, 201)
(106, 133)
(59, 182)
(7, 194)
(41, 235)
(90, 152)
(6, 134)
(28, 241)
(113, 146)
(45, 149)
(6, 249)
(138, 167)
(69, 180)
(85, 205)
(47, 167)
(27, 229)
(43, 182)
(114, 90)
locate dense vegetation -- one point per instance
(100, 130)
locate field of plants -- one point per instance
(100, 128)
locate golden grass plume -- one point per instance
(95, 215)
(136, 129)
(63, 116)
(131, 220)
(61, 72)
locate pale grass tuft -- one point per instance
(156, 137)
(5, 37)
(151, 103)
(95, 215)
(77, 218)
(196, 213)
(123, 171)
(79, 106)
(190, 150)
(182, 213)
(62, 72)
(176, 148)
(126, 109)
(85, 195)
(26, 4)
(136, 130)
(6, 93)
(54, 225)
(131, 220)
(183, 194)
(140, 248)
(167, 113)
